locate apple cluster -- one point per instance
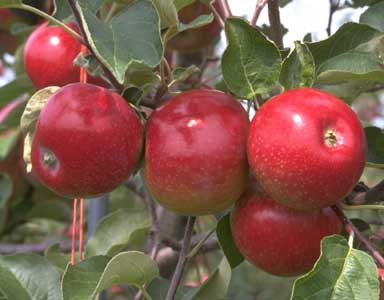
(305, 149)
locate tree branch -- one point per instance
(176, 278)
(363, 195)
(259, 7)
(348, 224)
(39, 248)
(274, 20)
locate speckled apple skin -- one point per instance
(195, 156)
(280, 240)
(289, 156)
(95, 136)
(49, 54)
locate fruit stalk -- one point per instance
(176, 278)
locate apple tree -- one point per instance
(169, 149)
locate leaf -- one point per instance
(373, 16)
(52, 209)
(216, 286)
(7, 142)
(352, 53)
(62, 10)
(158, 289)
(375, 143)
(181, 74)
(29, 119)
(251, 63)
(132, 35)
(87, 278)
(141, 76)
(179, 4)
(224, 235)
(12, 119)
(27, 276)
(9, 3)
(57, 259)
(298, 69)
(341, 273)
(167, 13)
(5, 188)
(116, 230)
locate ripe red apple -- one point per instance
(195, 156)
(87, 141)
(306, 148)
(49, 54)
(280, 240)
(198, 38)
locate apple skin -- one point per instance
(93, 137)
(195, 156)
(192, 40)
(280, 240)
(49, 54)
(290, 152)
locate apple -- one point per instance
(49, 54)
(280, 240)
(194, 39)
(306, 148)
(195, 156)
(87, 141)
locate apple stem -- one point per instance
(217, 15)
(348, 224)
(183, 256)
(259, 7)
(274, 20)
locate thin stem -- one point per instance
(145, 293)
(177, 275)
(217, 15)
(256, 103)
(333, 7)
(274, 20)
(225, 8)
(360, 207)
(196, 249)
(370, 247)
(48, 17)
(375, 194)
(111, 12)
(259, 7)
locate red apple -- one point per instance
(280, 240)
(49, 54)
(306, 148)
(87, 141)
(195, 156)
(198, 38)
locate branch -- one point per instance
(259, 7)
(274, 20)
(348, 224)
(361, 194)
(176, 278)
(224, 5)
(333, 7)
(39, 248)
(108, 74)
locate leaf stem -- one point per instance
(196, 249)
(259, 7)
(145, 293)
(177, 275)
(48, 17)
(359, 207)
(217, 15)
(348, 224)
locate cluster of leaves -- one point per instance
(130, 45)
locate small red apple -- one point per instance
(306, 148)
(87, 141)
(280, 240)
(198, 38)
(195, 156)
(49, 54)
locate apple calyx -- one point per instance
(49, 159)
(330, 138)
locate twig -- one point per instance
(39, 248)
(370, 247)
(224, 5)
(108, 74)
(373, 195)
(217, 16)
(259, 7)
(274, 20)
(176, 278)
(333, 7)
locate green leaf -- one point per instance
(87, 278)
(251, 63)
(181, 74)
(373, 16)
(179, 4)
(375, 142)
(56, 258)
(298, 68)
(19, 86)
(28, 277)
(52, 209)
(341, 273)
(216, 286)
(12, 119)
(167, 12)
(158, 289)
(352, 53)
(7, 142)
(116, 230)
(62, 10)
(141, 76)
(7, 3)
(5, 189)
(132, 35)
(224, 235)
